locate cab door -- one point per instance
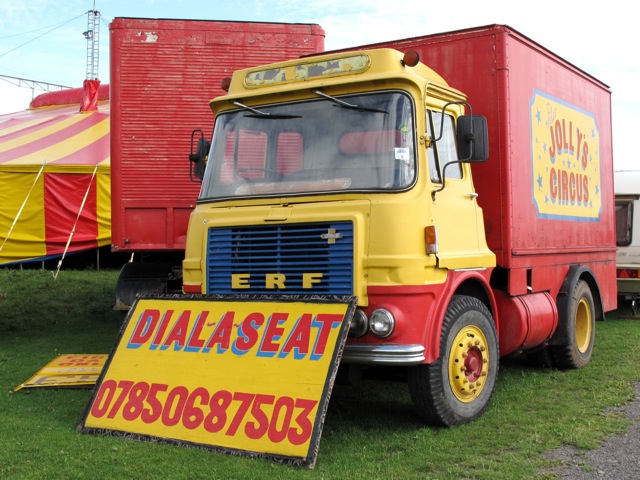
(457, 216)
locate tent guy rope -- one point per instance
(15, 220)
(73, 230)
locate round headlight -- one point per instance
(359, 324)
(381, 323)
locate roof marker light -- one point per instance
(411, 58)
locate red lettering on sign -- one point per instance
(222, 334)
(280, 418)
(580, 138)
(195, 343)
(144, 328)
(567, 187)
(325, 321)
(562, 141)
(164, 324)
(178, 333)
(273, 332)
(266, 336)
(299, 338)
(248, 333)
(585, 155)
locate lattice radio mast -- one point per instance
(93, 43)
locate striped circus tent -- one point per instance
(55, 175)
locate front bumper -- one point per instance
(396, 355)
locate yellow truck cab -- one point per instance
(316, 184)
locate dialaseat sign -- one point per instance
(244, 375)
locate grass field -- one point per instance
(370, 430)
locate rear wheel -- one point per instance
(457, 387)
(582, 326)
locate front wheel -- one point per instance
(457, 387)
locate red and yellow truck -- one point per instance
(460, 185)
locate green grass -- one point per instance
(370, 431)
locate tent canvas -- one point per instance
(55, 176)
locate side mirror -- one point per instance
(473, 138)
(198, 158)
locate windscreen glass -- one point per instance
(329, 144)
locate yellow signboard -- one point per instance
(68, 370)
(236, 375)
(566, 160)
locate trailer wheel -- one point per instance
(457, 387)
(582, 327)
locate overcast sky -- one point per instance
(42, 39)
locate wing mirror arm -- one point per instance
(472, 139)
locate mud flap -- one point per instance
(139, 279)
(243, 375)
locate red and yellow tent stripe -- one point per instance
(54, 178)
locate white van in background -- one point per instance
(627, 189)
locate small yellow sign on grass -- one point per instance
(68, 370)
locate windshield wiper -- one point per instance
(259, 114)
(343, 104)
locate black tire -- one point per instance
(582, 328)
(442, 393)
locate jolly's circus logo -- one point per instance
(566, 160)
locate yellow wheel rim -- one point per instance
(468, 363)
(583, 325)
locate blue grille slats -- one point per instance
(289, 250)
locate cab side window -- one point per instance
(444, 150)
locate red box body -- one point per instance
(502, 72)
(163, 74)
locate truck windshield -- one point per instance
(330, 144)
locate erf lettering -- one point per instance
(272, 281)
(276, 335)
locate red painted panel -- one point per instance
(146, 226)
(163, 75)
